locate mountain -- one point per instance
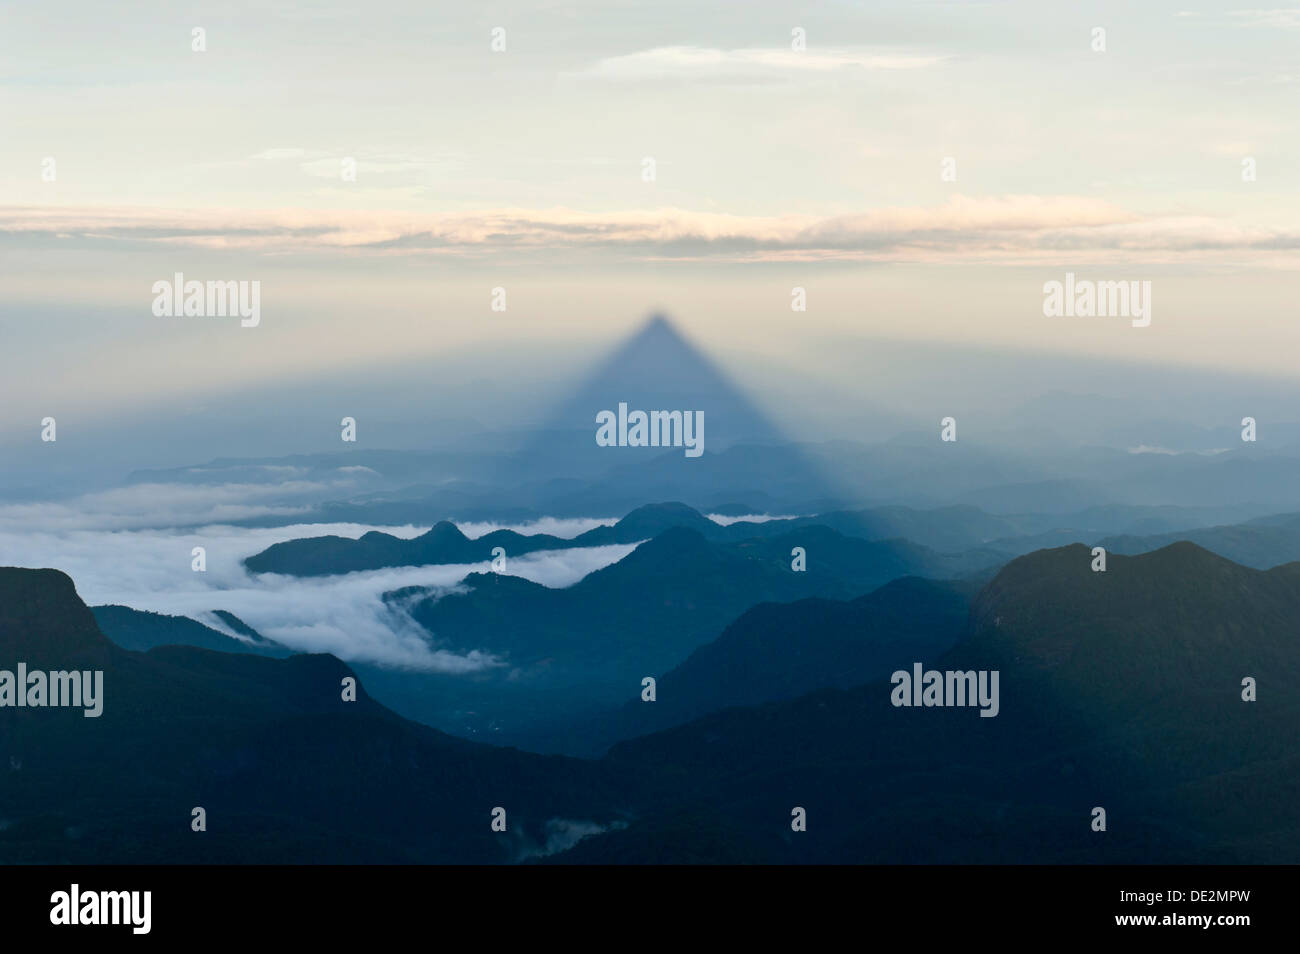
(1120, 689)
(779, 651)
(672, 588)
(1262, 543)
(286, 770)
(140, 630)
(962, 527)
(571, 654)
(445, 543)
(776, 651)
(944, 528)
(953, 528)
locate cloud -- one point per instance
(276, 155)
(1281, 18)
(1165, 451)
(345, 615)
(327, 167)
(1008, 229)
(160, 504)
(725, 521)
(327, 163)
(1233, 150)
(1277, 18)
(696, 63)
(561, 834)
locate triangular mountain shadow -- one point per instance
(656, 369)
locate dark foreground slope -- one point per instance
(285, 769)
(777, 651)
(1120, 690)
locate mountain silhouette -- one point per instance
(445, 543)
(584, 649)
(286, 769)
(1120, 689)
(1261, 543)
(758, 658)
(141, 630)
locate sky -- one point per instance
(793, 145)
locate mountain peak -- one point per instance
(444, 531)
(44, 622)
(652, 519)
(1180, 601)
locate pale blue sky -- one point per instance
(523, 169)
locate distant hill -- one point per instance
(947, 529)
(1263, 543)
(445, 543)
(140, 630)
(958, 528)
(570, 653)
(670, 591)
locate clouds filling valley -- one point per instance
(120, 562)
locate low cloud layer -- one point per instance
(697, 63)
(150, 570)
(1010, 229)
(161, 504)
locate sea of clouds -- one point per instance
(99, 541)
